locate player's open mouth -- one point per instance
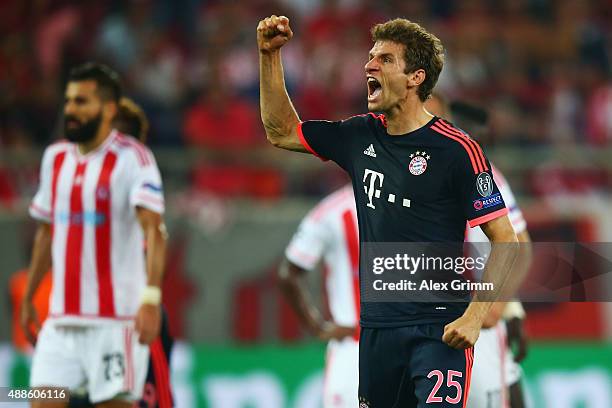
(374, 88)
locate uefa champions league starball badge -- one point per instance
(418, 163)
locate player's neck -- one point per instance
(407, 117)
(103, 133)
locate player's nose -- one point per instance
(371, 66)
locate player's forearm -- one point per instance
(41, 259)
(498, 271)
(298, 297)
(277, 112)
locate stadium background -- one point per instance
(541, 67)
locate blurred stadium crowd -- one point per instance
(542, 67)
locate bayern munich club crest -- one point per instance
(418, 163)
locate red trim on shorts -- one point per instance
(487, 217)
(469, 362)
(106, 302)
(74, 244)
(475, 164)
(351, 238)
(162, 377)
(304, 142)
(473, 144)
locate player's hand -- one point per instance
(330, 330)
(148, 323)
(462, 333)
(517, 340)
(29, 321)
(272, 33)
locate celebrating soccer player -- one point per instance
(416, 178)
(99, 199)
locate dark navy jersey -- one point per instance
(423, 186)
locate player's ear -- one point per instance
(109, 110)
(416, 78)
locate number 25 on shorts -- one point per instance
(450, 382)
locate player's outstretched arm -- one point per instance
(278, 115)
(463, 332)
(148, 318)
(291, 280)
(39, 265)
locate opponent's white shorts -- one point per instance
(488, 387)
(106, 360)
(341, 381)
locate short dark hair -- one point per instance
(131, 119)
(423, 50)
(107, 80)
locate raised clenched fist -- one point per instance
(272, 33)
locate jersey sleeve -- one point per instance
(331, 140)
(308, 244)
(514, 212)
(40, 207)
(146, 188)
(478, 193)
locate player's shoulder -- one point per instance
(56, 148)
(460, 145)
(132, 149)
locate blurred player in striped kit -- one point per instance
(329, 233)
(496, 376)
(99, 199)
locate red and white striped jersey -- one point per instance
(329, 232)
(514, 212)
(97, 245)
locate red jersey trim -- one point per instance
(106, 302)
(469, 363)
(488, 217)
(305, 143)
(475, 165)
(74, 244)
(473, 144)
(40, 212)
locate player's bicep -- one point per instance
(499, 230)
(289, 141)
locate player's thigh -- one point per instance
(116, 363)
(487, 386)
(383, 367)
(440, 374)
(55, 361)
(341, 382)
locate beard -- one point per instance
(85, 131)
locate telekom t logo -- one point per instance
(374, 182)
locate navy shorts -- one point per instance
(410, 367)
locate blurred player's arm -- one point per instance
(294, 288)
(148, 319)
(278, 115)
(39, 265)
(463, 332)
(519, 272)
